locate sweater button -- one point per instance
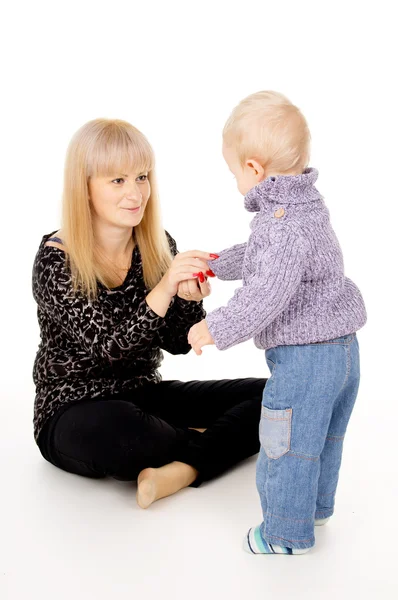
(279, 213)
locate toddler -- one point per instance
(299, 307)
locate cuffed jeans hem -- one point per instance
(299, 545)
(324, 514)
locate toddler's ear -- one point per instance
(254, 166)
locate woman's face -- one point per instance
(119, 199)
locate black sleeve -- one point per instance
(172, 335)
(86, 322)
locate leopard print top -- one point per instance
(103, 347)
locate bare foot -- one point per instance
(154, 484)
(146, 488)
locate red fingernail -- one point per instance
(214, 255)
(201, 277)
(210, 273)
(195, 274)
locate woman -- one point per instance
(112, 292)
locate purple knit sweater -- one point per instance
(294, 290)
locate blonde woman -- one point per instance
(112, 293)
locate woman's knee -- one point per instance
(88, 424)
(114, 438)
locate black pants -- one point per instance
(121, 435)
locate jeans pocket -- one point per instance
(275, 431)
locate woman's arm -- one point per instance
(90, 323)
(230, 262)
(172, 335)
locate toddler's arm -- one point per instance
(254, 306)
(229, 265)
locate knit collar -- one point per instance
(284, 189)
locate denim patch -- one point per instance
(275, 431)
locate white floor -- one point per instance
(65, 537)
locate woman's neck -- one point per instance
(113, 241)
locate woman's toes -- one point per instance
(148, 473)
(146, 487)
(146, 493)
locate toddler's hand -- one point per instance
(199, 336)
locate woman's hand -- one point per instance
(199, 336)
(193, 290)
(191, 266)
(186, 266)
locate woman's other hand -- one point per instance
(194, 290)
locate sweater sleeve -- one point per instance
(230, 262)
(254, 306)
(87, 322)
(172, 335)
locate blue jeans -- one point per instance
(306, 406)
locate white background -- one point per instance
(176, 70)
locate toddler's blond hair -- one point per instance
(266, 126)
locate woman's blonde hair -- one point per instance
(266, 126)
(104, 147)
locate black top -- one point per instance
(107, 346)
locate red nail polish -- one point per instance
(214, 255)
(201, 277)
(210, 273)
(195, 274)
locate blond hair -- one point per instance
(100, 148)
(266, 126)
